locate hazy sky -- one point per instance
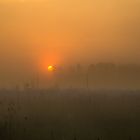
(33, 32)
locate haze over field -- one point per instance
(59, 32)
(69, 69)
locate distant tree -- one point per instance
(17, 87)
(105, 66)
(91, 67)
(79, 68)
(27, 86)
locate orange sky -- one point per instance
(68, 31)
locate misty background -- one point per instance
(69, 69)
(42, 32)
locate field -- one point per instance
(69, 114)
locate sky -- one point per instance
(34, 33)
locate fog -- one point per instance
(69, 69)
(58, 32)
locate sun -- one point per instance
(50, 68)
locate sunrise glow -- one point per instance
(50, 68)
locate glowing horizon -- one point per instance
(38, 33)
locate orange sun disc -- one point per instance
(50, 68)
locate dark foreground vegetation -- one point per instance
(69, 114)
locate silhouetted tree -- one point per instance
(79, 68)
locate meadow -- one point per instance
(69, 114)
